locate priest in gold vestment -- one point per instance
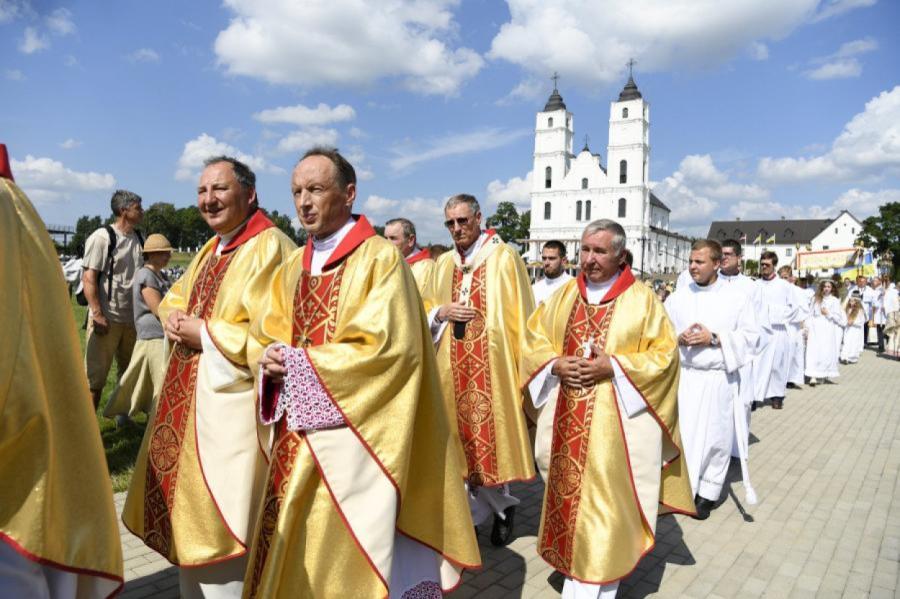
(200, 469)
(58, 532)
(402, 233)
(363, 496)
(478, 301)
(601, 364)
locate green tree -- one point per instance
(192, 229)
(83, 228)
(283, 222)
(162, 218)
(882, 232)
(510, 225)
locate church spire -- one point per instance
(555, 101)
(630, 91)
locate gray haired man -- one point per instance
(112, 256)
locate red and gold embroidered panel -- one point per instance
(314, 318)
(176, 403)
(571, 436)
(471, 367)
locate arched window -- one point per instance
(548, 177)
(578, 210)
(546, 210)
(587, 210)
(584, 183)
(623, 171)
(624, 113)
(550, 122)
(622, 205)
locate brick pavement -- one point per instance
(827, 523)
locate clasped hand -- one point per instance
(574, 371)
(456, 312)
(272, 364)
(696, 334)
(184, 329)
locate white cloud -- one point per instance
(857, 202)
(589, 42)
(70, 61)
(865, 203)
(694, 191)
(45, 179)
(143, 55)
(60, 22)
(357, 133)
(11, 10)
(758, 51)
(868, 147)
(842, 63)
(33, 41)
(70, 144)
(516, 190)
(426, 213)
(357, 157)
(838, 69)
(15, 75)
(205, 146)
(455, 144)
(833, 8)
(303, 139)
(347, 43)
(301, 115)
(529, 89)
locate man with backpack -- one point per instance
(112, 256)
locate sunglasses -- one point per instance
(461, 221)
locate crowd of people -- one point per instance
(338, 420)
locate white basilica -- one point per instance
(568, 190)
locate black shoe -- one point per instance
(753, 405)
(704, 507)
(792, 386)
(777, 403)
(501, 534)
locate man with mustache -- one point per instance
(197, 478)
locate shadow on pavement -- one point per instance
(159, 584)
(670, 549)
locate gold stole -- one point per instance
(571, 435)
(176, 403)
(315, 317)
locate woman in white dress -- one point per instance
(853, 334)
(826, 326)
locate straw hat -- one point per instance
(157, 243)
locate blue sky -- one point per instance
(759, 108)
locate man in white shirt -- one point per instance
(717, 335)
(553, 257)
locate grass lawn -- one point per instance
(121, 444)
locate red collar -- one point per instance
(256, 224)
(5, 170)
(489, 232)
(625, 280)
(422, 254)
(361, 231)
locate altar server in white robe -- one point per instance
(795, 330)
(826, 324)
(730, 274)
(852, 343)
(783, 308)
(717, 333)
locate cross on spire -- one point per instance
(586, 140)
(555, 79)
(631, 62)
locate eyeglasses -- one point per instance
(461, 221)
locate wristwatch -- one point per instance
(714, 340)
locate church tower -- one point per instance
(629, 156)
(553, 134)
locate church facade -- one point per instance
(570, 190)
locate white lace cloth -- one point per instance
(300, 396)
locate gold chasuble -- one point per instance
(339, 502)
(479, 373)
(199, 472)
(56, 505)
(608, 475)
(422, 267)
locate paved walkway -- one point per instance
(827, 523)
